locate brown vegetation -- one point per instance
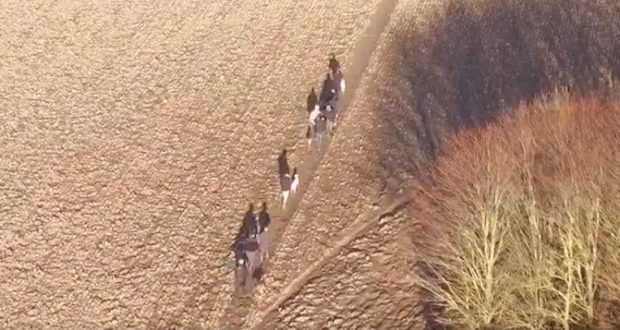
(525, 219)
(461, 62)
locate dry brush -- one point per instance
(525, 219)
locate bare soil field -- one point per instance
(133, 137)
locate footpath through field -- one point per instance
(240, 311)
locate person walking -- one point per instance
(264, 220)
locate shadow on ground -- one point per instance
(474, 59)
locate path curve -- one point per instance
(348, 234)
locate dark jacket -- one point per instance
(283, 167)
(249, 224)
(326, 92)
(263, 220)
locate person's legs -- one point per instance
(309, 137)
(295, 184)
(241, 271)
(263, 242)
(319, 141)
(284, 198)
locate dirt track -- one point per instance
(437, 67)
(133, 137)
(346, 291)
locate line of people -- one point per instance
(323, 111)
(251, 245)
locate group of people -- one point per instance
(251, 245)
(323, 110)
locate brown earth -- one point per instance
(133, 137)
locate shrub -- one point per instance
(525, 219)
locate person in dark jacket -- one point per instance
(327, 91)
(264, 220)
(249, 222)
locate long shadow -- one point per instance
(477, 59)
(283, 167)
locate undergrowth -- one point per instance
(524, 217)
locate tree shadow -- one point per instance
(477, 59)
(472, 61)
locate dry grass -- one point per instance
(526, 216)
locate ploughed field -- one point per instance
(133, 136)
